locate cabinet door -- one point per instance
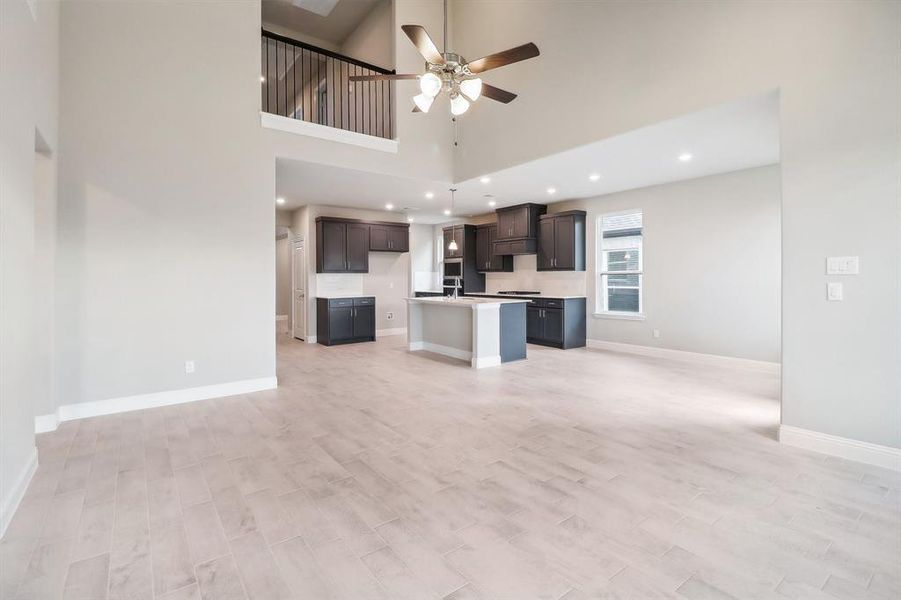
(545, 258)
(341, 323)
(364, 321)
(379, 238)
(334, 246)
(553, 325)
(495, 261)
(357, 248)
(565, 243)
(483, 248)
(448, 236)
(534, 323)
(399, 239)
(505, 224)
(521, 222)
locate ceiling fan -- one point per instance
(451, 73)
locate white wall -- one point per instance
(147, 278)
(28, 108)
(373, 39)
(606, 68)
(711, 265)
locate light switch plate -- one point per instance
(189, 366)
(842, 265)
(834, 291)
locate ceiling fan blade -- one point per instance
(387, 77)
(424, 44)
(507, 57)
(496, 93)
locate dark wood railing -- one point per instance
(312, 84)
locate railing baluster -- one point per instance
(333, 101)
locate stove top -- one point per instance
(519, 293)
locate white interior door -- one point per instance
(299, 291)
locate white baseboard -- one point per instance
(696, 357)
(393, 331)
(311, 339)
(482, 362)
(439, 349)
(69, 412)
(17, 492)
(865, 452)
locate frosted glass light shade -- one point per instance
(423, 102)
(430, 84)
(459, 105)
(472, 88)
(452, 246)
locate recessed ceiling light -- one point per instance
(262, 79)
(594, 177)
(409, 219)
(552, 190)
(446, 211)
(491, 203)
(485, 180)
(279, 200)
(389, 206)
(685, 157)
(429, 195)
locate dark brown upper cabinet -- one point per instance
(458, 234)
(486, 260)
(389, 238)
(561, 241)
(343, 245)
(517, 229)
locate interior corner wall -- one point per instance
(28, 120)
(166, 212)
(836, 67)
(373, 39)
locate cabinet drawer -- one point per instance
(364, 301)
(553, 303)
(338, 302)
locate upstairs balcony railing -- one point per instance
(303, 82)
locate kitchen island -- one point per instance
(482, 331)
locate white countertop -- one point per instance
(527, 296)
(334, 296)
(464, 301)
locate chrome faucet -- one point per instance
(456, 287)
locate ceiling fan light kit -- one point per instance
(451, 73)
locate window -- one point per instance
(619, 265)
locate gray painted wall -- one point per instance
(836, 67)
(166, 200)
(28, 108)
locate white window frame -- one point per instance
(600, 272)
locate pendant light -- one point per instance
(453, 243)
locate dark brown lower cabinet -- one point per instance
(557, 322)
(345, 320)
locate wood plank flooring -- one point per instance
(372, 473)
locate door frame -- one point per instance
(298, 241)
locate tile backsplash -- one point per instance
(525, 276)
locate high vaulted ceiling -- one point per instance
(334, 27)
(737, 135)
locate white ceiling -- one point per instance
(728, 137)
(334, 26)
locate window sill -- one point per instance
(620, 316)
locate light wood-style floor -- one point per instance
(374, 473)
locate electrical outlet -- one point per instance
(390, 316)
(655, 333)
(189, 366)
(834, 291)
